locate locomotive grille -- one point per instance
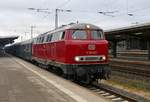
(89, 58)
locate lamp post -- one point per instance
(32, 31)
(56, 16)
(25, 34)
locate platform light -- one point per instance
(139, 33)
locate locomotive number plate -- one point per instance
(91, 47)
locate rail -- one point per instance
(115, 94)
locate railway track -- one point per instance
(131, 67)
(114, 94)
(111, 93)
(108, 92)
(129, 70)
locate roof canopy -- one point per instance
(7, 40)
(141, 31)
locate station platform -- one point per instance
(21, 81)
(131, 56)
(130, 60)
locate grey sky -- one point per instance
(16, 19)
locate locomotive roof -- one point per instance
(73, 26)
(78, 26)
(62, 28)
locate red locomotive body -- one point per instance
(78, 50)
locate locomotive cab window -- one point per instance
(79, 34)
(97, 35)
(63, 35)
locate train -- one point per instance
(77, 51)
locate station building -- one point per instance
(136, 37)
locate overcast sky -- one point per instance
(16, 18)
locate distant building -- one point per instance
(132, 37)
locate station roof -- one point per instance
(141, 31)
(4, 40)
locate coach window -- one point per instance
(55, 36)
(49, 38)
(79, 34)
(62, 35)
(34, 40)
(42, 39)
(97, 35)
(37, 40)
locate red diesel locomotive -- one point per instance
(78, 51)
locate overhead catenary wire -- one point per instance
(63, 4)
(128, 12)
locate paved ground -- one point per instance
(20, 85)
(21, 81)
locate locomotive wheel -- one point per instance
(42, 66)
(75, 78)
(86, 79)
(58, 71)
(89, 80)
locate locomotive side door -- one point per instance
(53, 51)
(53, 46)
(49, 47)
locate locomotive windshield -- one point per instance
(83, 34)
(79, 34)
(97, 34)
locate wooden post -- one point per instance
(114, 49)
(148, 49)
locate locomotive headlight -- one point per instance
(103, 57)
(87, 26)
(77, 58)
